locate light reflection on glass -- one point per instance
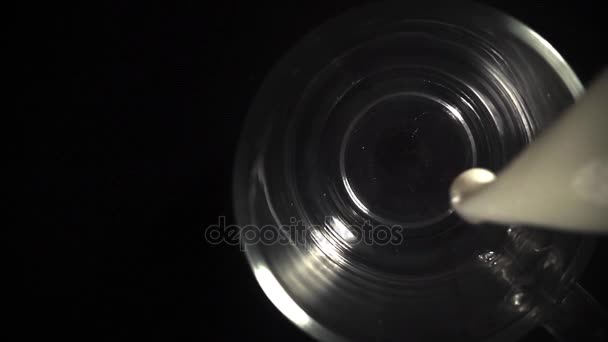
(344, 232)
(280, 298)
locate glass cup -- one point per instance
(342, 175)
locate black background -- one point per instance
(132, 113)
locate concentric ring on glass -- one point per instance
(360, 128)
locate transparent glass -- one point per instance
(350, 148)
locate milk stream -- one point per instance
(559, 182)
